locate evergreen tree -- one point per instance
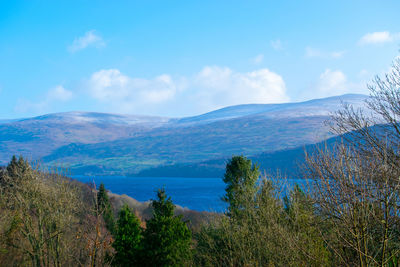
(17, 169)
(128, 239)
(12, 167)
(104, 207)
(240, 179)
(167, 239)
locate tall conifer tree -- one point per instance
(128, 239)
(240, 179)
(104, 206)
(167, 239)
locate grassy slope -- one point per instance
(167, 146)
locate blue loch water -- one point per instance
(202, 194)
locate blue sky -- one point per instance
(180, 58)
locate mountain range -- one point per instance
(89, 143)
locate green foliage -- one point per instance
(128, 239)
(240, 179)
(394, 261)
(167, 239)
(105, 208)
(259, 229)
(214, 244)
(303, 225)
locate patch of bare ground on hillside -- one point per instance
(194, 219)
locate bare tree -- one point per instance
(41, 208)
(358, 196)
(375, 130)
(96, 239)
(47, 220)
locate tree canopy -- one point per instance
(128, 239)
(167, 239)
(240, 179)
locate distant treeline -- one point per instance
(287, 161)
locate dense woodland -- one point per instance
(348, 216)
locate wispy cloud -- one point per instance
(59, 93)
(212, 87)
(379, 38)
(316, 53)
(277, 45)
(89, 39)
(334, 82)
(363, 73)
(258, 59)
(52, 97)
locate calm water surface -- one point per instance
(203, 194)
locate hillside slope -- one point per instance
(112, 144)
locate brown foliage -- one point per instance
(47, 220)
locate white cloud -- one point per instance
(337, 54)
(54, 95)
(59, 93)
(363, 73)
(378, 38)
(258, 59)
(277, 45)
(311, 52)
(332, 83)
(89, 39)
(128, 94)
(223, 87)
(316, 53)
(213, 87)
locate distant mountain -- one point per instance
(39, 136)
(112, 144)
(315, 107)
(9, 121)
